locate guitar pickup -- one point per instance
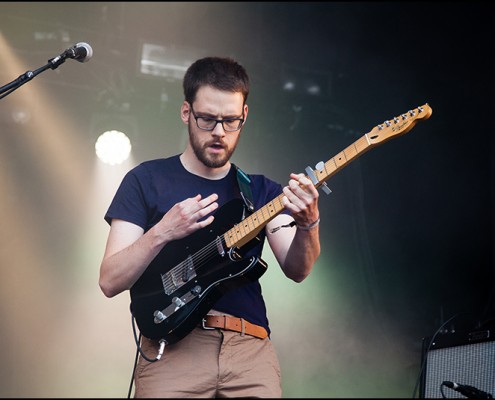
(189, 271)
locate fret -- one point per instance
(339, 160)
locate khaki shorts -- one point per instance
(209, 363)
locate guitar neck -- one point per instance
(249, 227)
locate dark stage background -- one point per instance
(407, 233)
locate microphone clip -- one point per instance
(55, 62)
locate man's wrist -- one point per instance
(310, 226)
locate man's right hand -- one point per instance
(187, 217)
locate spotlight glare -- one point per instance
(289, 86)
(113, 147)
(21, 116)
(314, 90)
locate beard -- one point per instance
(208, 159)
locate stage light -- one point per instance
(21, 115)
(289, 86)
(114, 135)
(313, 89)
(170, 62)
(113, 147)
(306, 82)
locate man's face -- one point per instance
(214, 148)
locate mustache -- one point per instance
(215, 143)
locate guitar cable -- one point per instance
(137, 340)
(162, 342)
(423, 364)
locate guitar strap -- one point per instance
(245, 188)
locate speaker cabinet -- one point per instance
(466, 358)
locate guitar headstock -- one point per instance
(398, 125)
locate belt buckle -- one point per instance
(203, 321)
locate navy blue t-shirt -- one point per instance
(149, 190)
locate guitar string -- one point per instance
(208, 252)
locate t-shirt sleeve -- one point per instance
(270, 190)
(129, 203)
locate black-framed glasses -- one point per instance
(208, 124)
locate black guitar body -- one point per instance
(188, 276)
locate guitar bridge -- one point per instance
(178, 276)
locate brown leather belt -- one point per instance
(233, 324)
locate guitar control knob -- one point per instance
(159, 316)
(178, 302)
(196, 290)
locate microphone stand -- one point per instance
(53, 63)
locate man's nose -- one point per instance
(218, 129)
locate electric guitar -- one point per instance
(188, 276)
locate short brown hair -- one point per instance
(221, 73)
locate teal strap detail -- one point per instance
(244, 186)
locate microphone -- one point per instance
(469, 391)
(81, 52)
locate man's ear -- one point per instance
(185, 110)
(245, 112)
